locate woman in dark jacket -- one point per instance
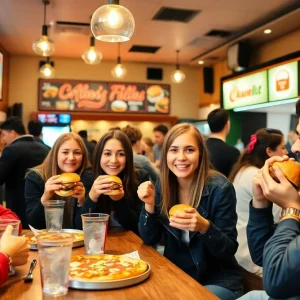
(201, 241)
(113, 156)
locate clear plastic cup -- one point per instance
(15, 224)
(54, 212)
(55, 250)
(95, 229)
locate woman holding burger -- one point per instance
(112, 182)
(54, 178)
(201, 237)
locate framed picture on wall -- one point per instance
(1, 74)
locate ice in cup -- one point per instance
(54, 211)
(55, 251)
(94, 229)
(15, 224)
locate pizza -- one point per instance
(105, 267)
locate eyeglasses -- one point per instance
(271, 130)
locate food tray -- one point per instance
(33, 246)
(112, 284)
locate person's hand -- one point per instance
(52, 184)
(259, 200)
(283, 193)
(15, 246)
(146, 193)
(119, 196)
(191, 220)
(101, 185)
(79, 193)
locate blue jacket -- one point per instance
(209, 257)
(277, 249)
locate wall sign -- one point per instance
(96, 96)
(246, 90)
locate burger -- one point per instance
(291, 170)
(178, 208)
(68, 181)
(117, 185)
(119, 106)
(154, 93)
(162, 105)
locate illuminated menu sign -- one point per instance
(246, 90)
(283, 81)
(115, 97)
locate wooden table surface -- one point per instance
(166, 280)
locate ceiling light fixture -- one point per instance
(44, 46)
(200, 62)
(47, 68)
(177, 76)
(91, 56)
(267, 31)
(112, 23)
(118, 71)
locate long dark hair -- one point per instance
(265, 138)
(128, 176)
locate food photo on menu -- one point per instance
(158, 99)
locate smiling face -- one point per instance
(113, 159)
(183, 156)
(69, 157)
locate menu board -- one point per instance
(283, 81)
(245, 90)
(110, 97)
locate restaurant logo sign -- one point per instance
(72, 95)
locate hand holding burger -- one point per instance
(68, 182)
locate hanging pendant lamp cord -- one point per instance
(119, 56)
(177, 60)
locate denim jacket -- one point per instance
(208, 257)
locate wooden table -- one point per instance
(166, 280)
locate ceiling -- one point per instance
(21, 23)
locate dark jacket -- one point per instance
(126, 210)
(209, 257)
(34, 189)
(21, 154)
(277, 249)
(42, 142)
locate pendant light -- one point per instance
(44, 46)
(91, 56)
(47, 68)
(118, 71)
(112, 23)
(177, 76)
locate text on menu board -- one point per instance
(69, 95)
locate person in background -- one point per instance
(222, 155)
(159, 133)
(147, 146)
(13, 249)
(202, 240)
(94, 142)
(35, 128)
(140, 161)
(68, 155)
(264, 144)
(292, 137)
(113, 156)
(89, 146)
(22, 152)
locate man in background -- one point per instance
(292, 137)
(20, 153)
(222, 155)
(159, 133)
(90, 147)
(35, 128)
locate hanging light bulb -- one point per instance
(47, 70)
(118, 71)
(91, 56)
(177, 76)
(44, 46)
(112, 23)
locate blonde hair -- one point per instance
(50, 167)
(168, 181)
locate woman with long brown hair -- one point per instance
(202, 240)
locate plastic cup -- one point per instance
(15, 224)
(55, 250)
(54, 212)
(95, 229)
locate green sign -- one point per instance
(283, 82)
(246, 90)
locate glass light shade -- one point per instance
(43, 46)
(47, 71)
(91, 56)
(178, 76)
(112, 23)
(118, 71)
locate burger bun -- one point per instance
(119, 106)
(118, 181)
(162, 105)
(154, 93)
(67, 178)
(178, 208)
